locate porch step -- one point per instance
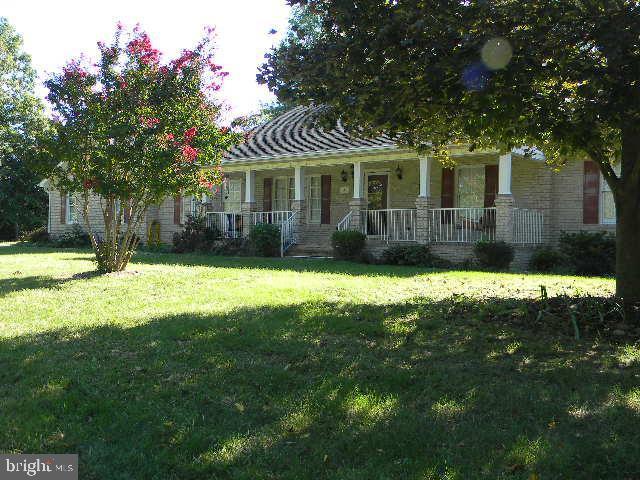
(309, 250)
(313, 241)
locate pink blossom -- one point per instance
(184, 59)
(189, 153)
(73, 69)
(189, 134)
(205, 183)
(150, 122)
(142, 48)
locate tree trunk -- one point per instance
(628, 253)
(627, 197)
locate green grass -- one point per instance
(203, 367)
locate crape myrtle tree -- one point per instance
(131, 130)
(563, 76)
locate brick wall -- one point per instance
(57, 228)
(534, 185)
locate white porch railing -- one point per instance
(345, 223)
(528, 225)
(392, 224)
(275, 217)
(287, 233)
(461, 225)
(229, 224)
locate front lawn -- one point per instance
(202, 367)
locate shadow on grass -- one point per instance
(322, 390)
(318, 265)
(17, 284)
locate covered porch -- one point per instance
(395, 198)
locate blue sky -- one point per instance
(55, 31)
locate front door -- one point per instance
(377, 186)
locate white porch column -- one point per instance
(504, 174)
(299, 183)
(357, 203)
(425, 176)
(357, 180)
(423, 202)
(504, 201)
(249, 204)
(298, 199)
(250, 186)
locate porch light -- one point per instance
(343, 175)
(399, 172)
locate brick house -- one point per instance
(312, 181)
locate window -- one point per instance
(118, 208)
(313, 198)
(72, 205)
(470, 192)
(193, 206)
(232, 196)
(283, 193)
(607, 204)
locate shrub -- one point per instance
(195, 237)
(74, 239)
(37, 236)
(415, 255)
(348, 244)
(230, 246)
(589, 253)
(494, 255)
(264, 240)
(547, 259)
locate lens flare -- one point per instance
(496, 53)
(475, 77)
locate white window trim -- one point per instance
(365, 187)
(307, 188)
(601, 191)
(274, 190)
(118, 206)
(49, 217)
(71, 219)
(226, 192)
(456, 186)
(188, 207)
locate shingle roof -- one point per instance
(296, 133)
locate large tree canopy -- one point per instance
(563, 76)
(133, 130)
(22, 202)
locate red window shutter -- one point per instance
(448, 180)
(266, 197)
(177, 210)
(490, 185)
(63, 208)
(591, 193)
(446, 195)
(325, 193)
